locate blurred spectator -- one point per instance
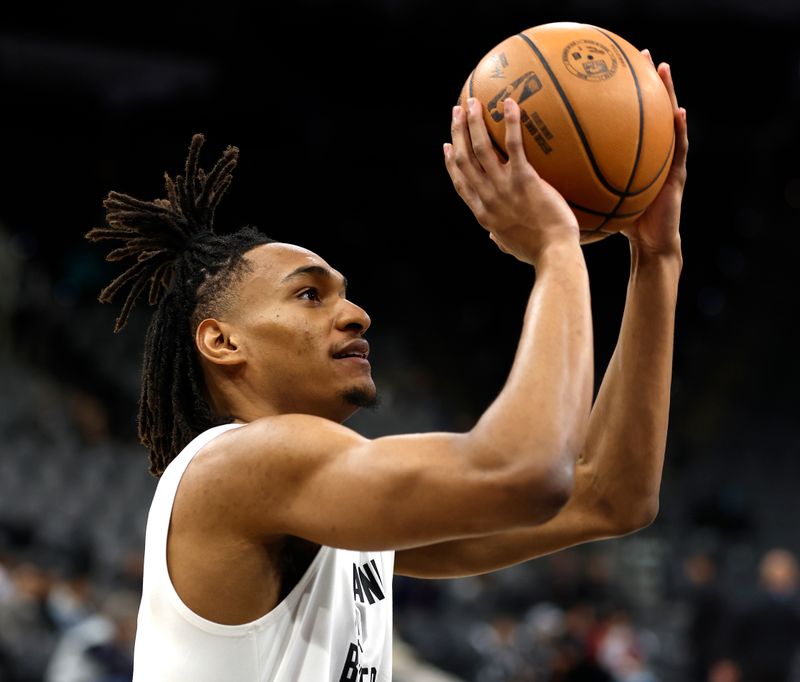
(724, 671)
(574, 657)
(709, 608)
(99, 648)
(69, 600)
(6, 586)
(502, 653)
(6, 590)
(27, 634)
(621, 651)
(764, 637)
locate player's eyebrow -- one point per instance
(317, 270)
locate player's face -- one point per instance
(302, 339)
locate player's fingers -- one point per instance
(462, 155)
(647, 54)
(681, 144)
(665, 72)
(514, 145)
(481, 143)
(462, 185)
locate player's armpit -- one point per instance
(313, 478)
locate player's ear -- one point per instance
(217, 342)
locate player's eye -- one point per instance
(311, 294)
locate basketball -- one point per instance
(597, 119)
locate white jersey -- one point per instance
(335, 625)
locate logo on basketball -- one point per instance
(589, 60)
(531, 84)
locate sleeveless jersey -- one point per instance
(335, 625)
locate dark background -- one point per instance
(340, 110)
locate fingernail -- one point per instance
(683, 113)
(456, 111)
(446, 148)
(471, 103)
(507, 105)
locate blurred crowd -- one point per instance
(61, 627)
(574, 617)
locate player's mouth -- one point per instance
(356, 350)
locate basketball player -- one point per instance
(275, 530)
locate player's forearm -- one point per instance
(618, 473)
(573, 525)
(626, 441)
(539, 418)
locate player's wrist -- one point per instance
(559, 251)
(670, 250)
(649, 262)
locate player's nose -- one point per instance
(353, 317)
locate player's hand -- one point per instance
(523, 213)
(657, 228)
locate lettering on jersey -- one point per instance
(367, 583)
(352, 670)
(367, 589)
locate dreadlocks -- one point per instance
(188, 271)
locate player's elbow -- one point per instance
(646, 514)
(636, 517)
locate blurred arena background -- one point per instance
(340, 110)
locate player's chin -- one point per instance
(362, 394)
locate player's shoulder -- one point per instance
(267, 438)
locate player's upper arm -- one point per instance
(316, 479)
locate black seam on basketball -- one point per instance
(603, 214)
(641, 129)
(471, 78)
(660, 170)
(613, 214)
(641, 112)
(573, 116)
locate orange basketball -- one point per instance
(597, 119)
